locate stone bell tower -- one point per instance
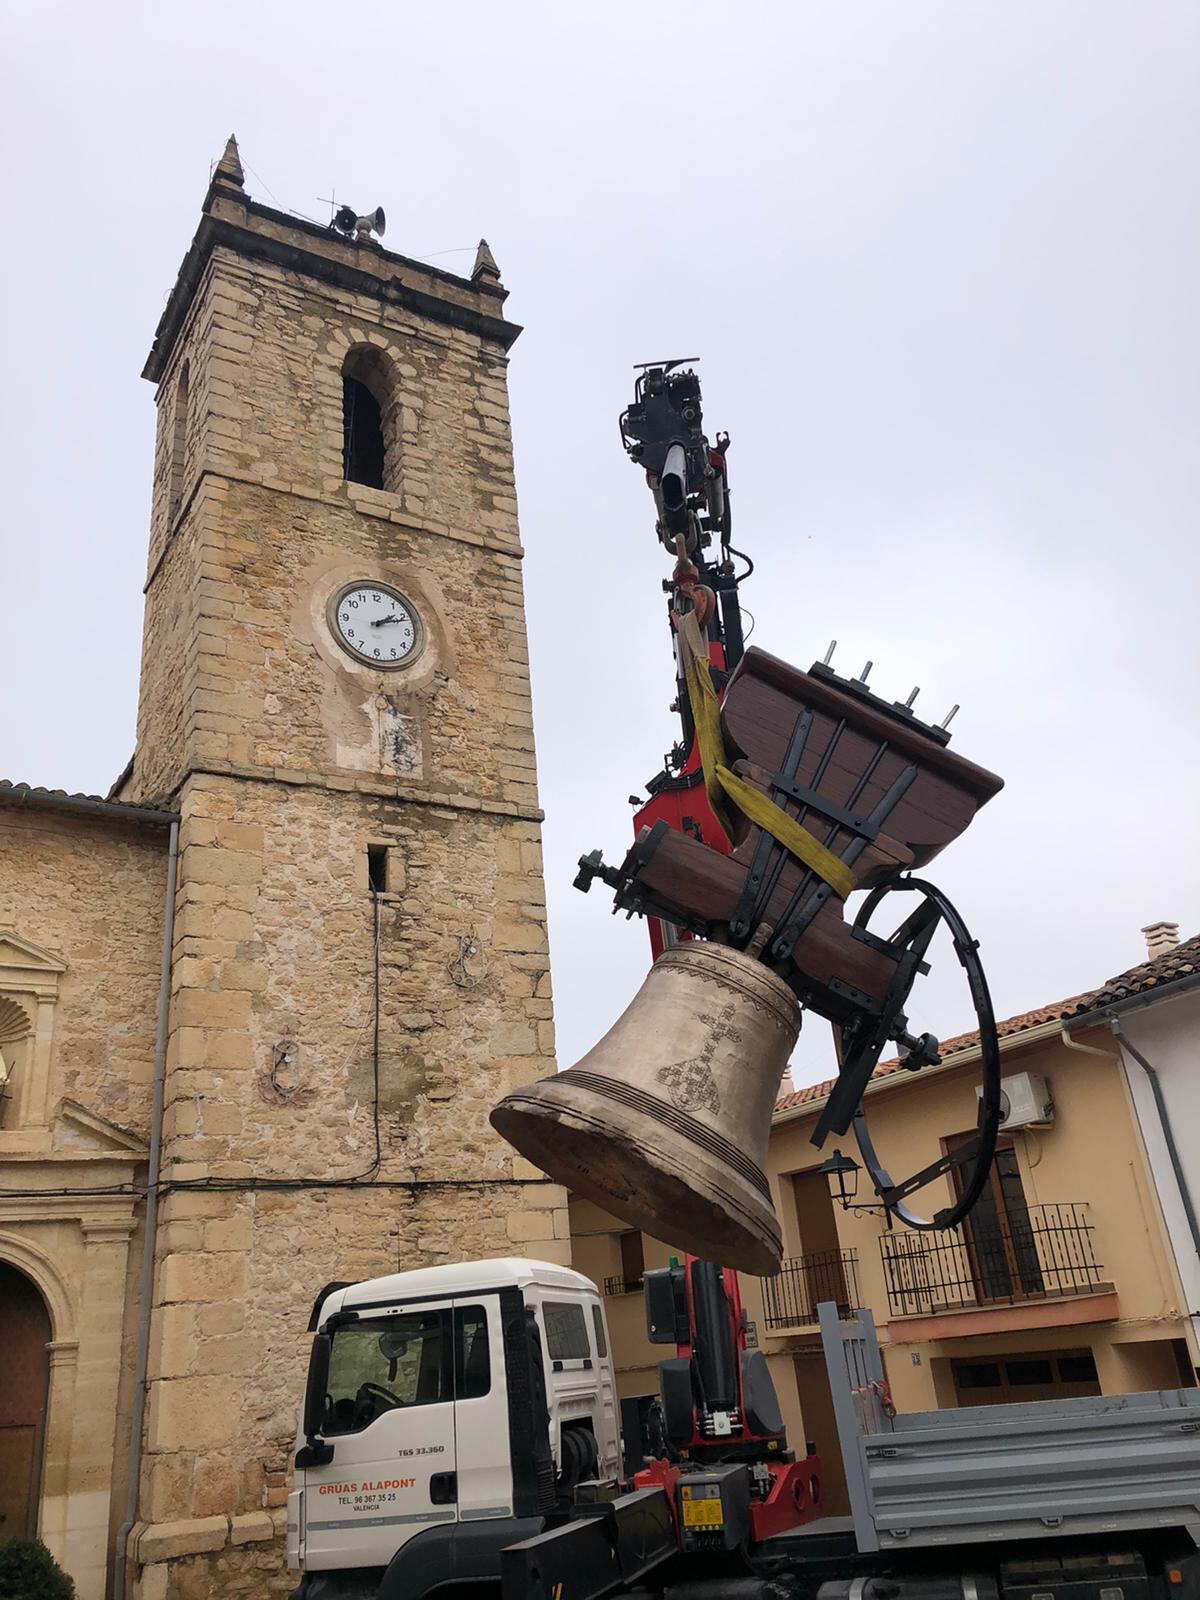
(335, 699)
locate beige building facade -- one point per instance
(335, 770)
(1061, 1282)
(83, 901)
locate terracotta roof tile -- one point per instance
(30, 791)
(60, 799)
(1180, 962)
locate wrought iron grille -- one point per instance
(1045, 1252)
(791, 1298)
(622, 1285)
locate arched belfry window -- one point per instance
(179, 424)
(368, 418)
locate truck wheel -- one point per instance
(580, 1457)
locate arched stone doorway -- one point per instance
(25, 1334)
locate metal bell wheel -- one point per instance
(863, 1040)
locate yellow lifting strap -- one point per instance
(706, 715)
(720, 783)
(791, 835)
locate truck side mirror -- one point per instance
(316, 1452)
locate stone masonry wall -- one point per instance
(91, 893)
(246, 675)
(275, 944)
(270, 347)
(265, 350)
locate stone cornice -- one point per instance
(34, 1147)
(408, 794)
(292, 243)
(350, 502)
(105, 1211)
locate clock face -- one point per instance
(376, 624)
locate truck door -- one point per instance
(608, 1430)
(485, 1483)
(389, 1415)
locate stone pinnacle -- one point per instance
(485, 265)
(229, 168)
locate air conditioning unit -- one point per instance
(1024, 1101)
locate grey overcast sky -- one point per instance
(940, 260)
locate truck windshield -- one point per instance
(381, 1363)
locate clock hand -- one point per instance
(379, 621)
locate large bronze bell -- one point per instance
(665, 1121)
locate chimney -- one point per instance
(1160, 937)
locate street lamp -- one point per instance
(844, 1170)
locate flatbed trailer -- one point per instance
(1095, 1498)
(984, 1474)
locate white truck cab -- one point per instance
(448, 1411)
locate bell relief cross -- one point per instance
(690, 1083)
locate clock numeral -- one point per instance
(377, 651)
(349, 633)
(345, 616)
(376, 597)
(393, 653)
(354, 604)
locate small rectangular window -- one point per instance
(601, 1341)
(566, 1330)
(377, 863)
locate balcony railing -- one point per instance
(791, 1298)
(991, 1261)
(622, 1285)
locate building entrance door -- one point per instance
(24, 1388)
(820, 1431)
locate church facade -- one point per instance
(256, 1004)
